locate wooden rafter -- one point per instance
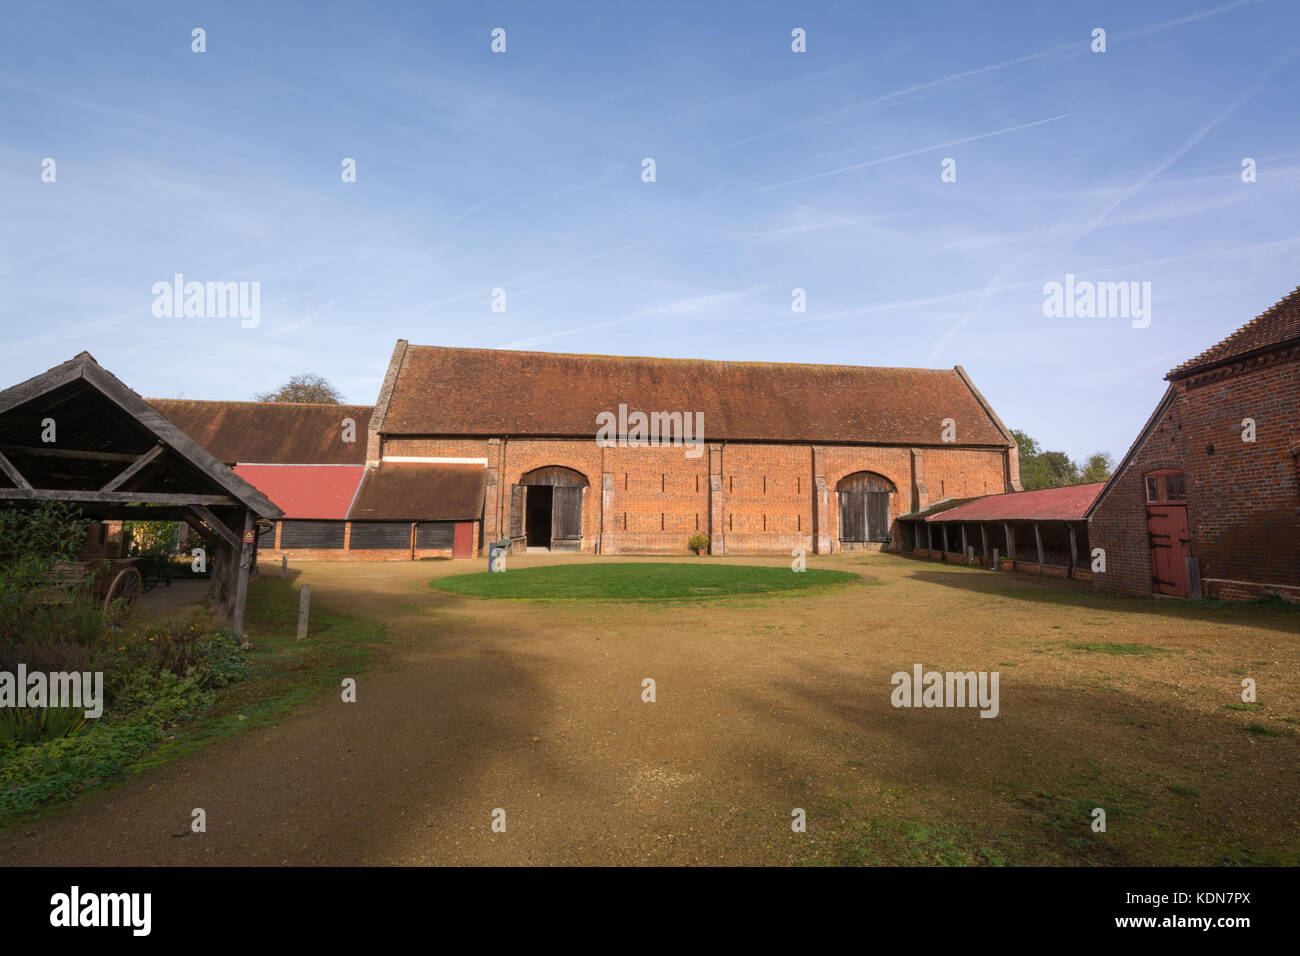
(218, 526)
(78, 496)
(14, 474)
(134, 468)
(86, 455)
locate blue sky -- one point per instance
(775, 170)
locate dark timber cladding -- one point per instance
(78, 435)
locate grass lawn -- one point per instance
(638, 581)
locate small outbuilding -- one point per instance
(1043, 531)
(76, 434)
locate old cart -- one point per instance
(106, 579)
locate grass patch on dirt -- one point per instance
(912, 843)
(638, 582)
(283, 672)
(1099, 647)
(277, 675)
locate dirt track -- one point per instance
(764, 705)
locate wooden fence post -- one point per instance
(284, 565)
(304, 607)
(1194, 578)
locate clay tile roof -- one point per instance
(405, 491)
(1047, 504)
(306, 491)
(454, 391)
(1277, 326)
(278, 433)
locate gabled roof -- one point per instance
(306, 491)
(278, 433)
(1046, 504)
(1280, 325)
(455, 391)
(409, 491)
(1154, 419)
(100, 425)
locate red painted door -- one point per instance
(462, 543)
(1170, 548)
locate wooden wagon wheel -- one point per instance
(126, 587)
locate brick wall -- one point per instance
(750, 498)
(1243, 499)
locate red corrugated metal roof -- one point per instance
(306, 491)
(1046, 504)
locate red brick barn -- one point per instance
(1209, 490)
(819, 457)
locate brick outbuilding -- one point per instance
(1207, 501)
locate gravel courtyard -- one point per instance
(764, 705)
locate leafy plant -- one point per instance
(699, 543)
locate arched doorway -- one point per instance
(546, 508)
(864, 507)
(1171, 540)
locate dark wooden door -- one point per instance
(1171, 546)
(518, 503)
(853, 516)
(462, 545)
(877, 509)
(566, 513)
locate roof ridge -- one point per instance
(684, 361)
(1292, 297)
(236, 401)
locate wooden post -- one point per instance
(284, 565)
(304, 607)
(1011, 541)
(1194, 578)
(995, 566)
(929, 536)
(916, 536)
(964, 549)
(1038, 539)
(241, 577)
(1074, 550)
(970, 554)
(215, 570)
(984, 537)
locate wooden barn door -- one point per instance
(566, 513)
(877, 515)
(853, 516)
(462, 543)
(518, 504)
(1169, 531)
(1170, 548)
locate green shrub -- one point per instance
(699, 543)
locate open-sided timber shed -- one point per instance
(76, 434)
(1043, 530)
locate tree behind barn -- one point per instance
(1040, 468)
(307, 387)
